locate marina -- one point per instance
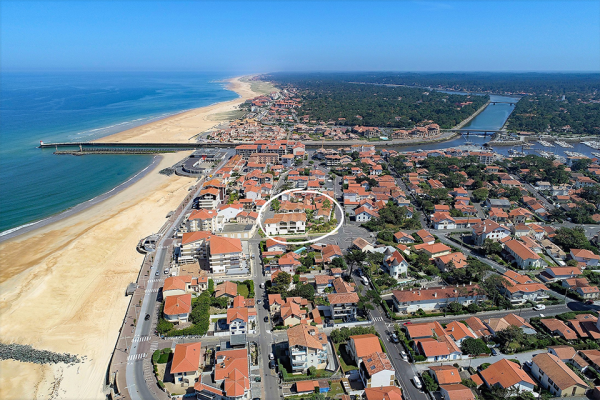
(545, 143)
(593, 144)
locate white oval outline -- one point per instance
(338, 205)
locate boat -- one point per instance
(563, 144)
(545, 143)
(596, 153)
(594, 144)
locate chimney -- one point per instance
(435, 294)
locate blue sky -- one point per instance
(247, 36)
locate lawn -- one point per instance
(336, 389)
(242, 290)
(346, 361)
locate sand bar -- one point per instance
(62, 285)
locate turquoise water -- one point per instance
(59, 107)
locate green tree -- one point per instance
(275, 205)
(339, 262)
(480, 195)
(211, 286)
(491, 247)
(355, 258)
(474, 347)
(429, 382)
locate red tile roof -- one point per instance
(186, 357)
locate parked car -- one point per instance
(271, 356)
(262, 285)
(147, 317)
(266, 319)
(395, 338)
(539, 307)
(157, 273)
(407, 323)
(417, 382)
(403, 355)
(494, 352)
(258, 301)
(166, 271)
(272, 364)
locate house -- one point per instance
(459, 332)
(524, 256)
(225, 255)
(433, 250)
(489, 229)
(445, 374)
(343, 305)
(360, 346)
(241, 319)
(519, 215)
(289, 262)
(176, 285)
(497, 324)
(409, 301)
(558, 328)
(329, 253)
(292, 313)
(404, 238)
(383, 393)
(186, 362)
(442, 349)
(443, 220)
(177, 308)
(478, 327)
(376, 370)
(395, 263)
(498, 215)
(424, 330)
(322, 282)
(585, 256)
(307, 347)
(364, 214)
(498, 203)
(204, 220)
(426, 237)
(271, 245)
(507, 375)
(450, 261)
(564, 353)
(556, 377)
(284, 224)
(231, 377)
(227, 288)
(456, 392)
(362, 245)
(557, 274)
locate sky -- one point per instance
(249, 36)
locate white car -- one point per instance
(539, 307)
(417, 382)
(271, 356)
(404, 355)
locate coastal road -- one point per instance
(20, 230)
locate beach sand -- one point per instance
(62, 286)
(183, 127)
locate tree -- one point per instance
(354, 258)
(326, 204)
(211, 286)
(429, 382)
(339, 262)
(386, 236)
(509, 335)
(474, 347)
(306, 291)
(312, 371)
(574, 238)
(480, 195)
(454, 307)
(281, 283)
(296, 279)
(275, 205)
(491, 247)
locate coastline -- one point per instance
(63, 282)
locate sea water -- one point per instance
(64, 107)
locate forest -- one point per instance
(481, 82)
(332, 98)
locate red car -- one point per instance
(407, 323)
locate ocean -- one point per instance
(63, 107)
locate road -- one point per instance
(136, 384)
(404, 370)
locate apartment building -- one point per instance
(308, 347)
(343, 305)
(225, 254)
(285, 224)
(556, 377)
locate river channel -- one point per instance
(493, 118)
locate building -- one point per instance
(376, 370)
(456, 392)
(519, 293)
(556, 377)
(230, 376)
(507, 375)
(360, 346)
(409, 301)
(524, 256)
(445, 374)
(177, 308)
(395, 263)
(442, 349)
(433, 250)
(383, 393)
(240, 318)
(451, 261)
(308, 348)
(489, 229)
(176, 285)
(557, 274)
(285, 224)
(225, 255)
(343, 306)
(585, 256)
(558, 328)
(498, 324)
(204, 220)
(186, 362)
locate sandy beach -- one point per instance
(62, 285)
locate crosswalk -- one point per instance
(141, 339)
(377, 318)
(155, 290)
(153, 280)
(136, 357)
